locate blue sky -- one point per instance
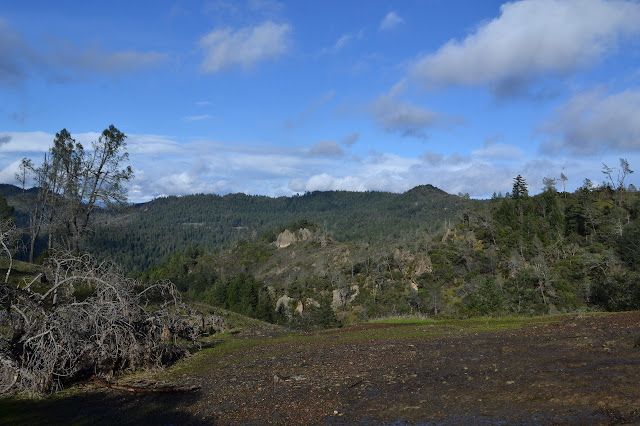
(281, 97)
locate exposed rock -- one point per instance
(309, 301)
(283, 303)
(304, 234)
(422, 264)
(344, 296)
(286, 237)
(412, 265)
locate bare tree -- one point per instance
(564, 179)
(37, 211)
(86, 318)
(8, 238)
(621, 174)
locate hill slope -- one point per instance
(145, 233)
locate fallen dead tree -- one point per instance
(80, 318)
(137, 389)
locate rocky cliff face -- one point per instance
(286, 238)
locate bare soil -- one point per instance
(573, 369)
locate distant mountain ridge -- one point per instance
(143, 234)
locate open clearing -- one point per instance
(579, 368)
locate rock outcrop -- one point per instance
(344, 296)
(286, 237)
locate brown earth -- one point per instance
(574, 369)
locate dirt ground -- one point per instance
(575, 369)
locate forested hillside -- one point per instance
(145, 234)
(517, 254)
(323, 256)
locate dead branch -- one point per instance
(164, 389)
(89, 319)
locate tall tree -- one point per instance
(95, 178)
(519, 188)
(563, 178)
(38, 209)
(549, 184)
(73, 182)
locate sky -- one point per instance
(283, 97)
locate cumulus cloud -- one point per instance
(326, 149)
(595, 122)
(405, 118)
(386, 172)
(25, 142)
(8, 173)
(529, 39)
(326, 182)
(391, 20)
(164, 165)
(247, 46)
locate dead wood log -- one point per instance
(164, 389)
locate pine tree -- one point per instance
(519, 188)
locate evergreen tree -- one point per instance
(519, 188)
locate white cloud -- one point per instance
(531, 38)
(391, 20)
(164, 165)
(405, 118)
(152, 145)
(499, 151)
(245, 47)
(595, 122)
(326, 149)
(8, 173)
(343, 41)
(25, 142)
